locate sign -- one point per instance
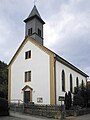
(61, 98)
(40, 100)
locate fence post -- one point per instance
(46, 110)
(61, 111)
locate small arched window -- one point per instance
(71, 83)
(30, 31)
(77, 82)
(63, 80)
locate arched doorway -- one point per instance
(27, 94)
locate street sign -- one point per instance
(61, 98)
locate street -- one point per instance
(83, 117)
(22, 116)
(10, 118)
(17, 116)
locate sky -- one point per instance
(66, 32)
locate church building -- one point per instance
(37, 74)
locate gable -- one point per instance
(27, 87)
(33, 42)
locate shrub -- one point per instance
(4, 109)
(78, 100)
(2, 94)
(81, 96)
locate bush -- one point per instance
(78, 100)
(4, 109)
(2, 94)
(81, 96)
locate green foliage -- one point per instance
(4, 109)
(88, 86)
(3, 79)
(68, 100)
(78, 100)
(81, 96)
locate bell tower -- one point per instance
(34, 25)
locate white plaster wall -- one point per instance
(68, 71)
(39, 65)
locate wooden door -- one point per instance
(26, 96)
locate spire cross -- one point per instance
(34, 1)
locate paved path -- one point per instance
(28, 117)
(23, 116)
(20, 116)
(83, 117)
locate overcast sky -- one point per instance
(66, 32)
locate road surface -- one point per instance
(16, 116)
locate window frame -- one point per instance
(28, 54)
(63, 80)
(39, 32)
(71, 83)
(28, 76)
(82, 84)
(30, 31)
(77, 82)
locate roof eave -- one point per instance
(35, 16)
(58, 58)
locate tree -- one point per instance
(81, 96)
(3, 79)
(68, 100)
(78, 99)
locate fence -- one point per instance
(51, 111)
(17, 105)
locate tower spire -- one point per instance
(34, 25)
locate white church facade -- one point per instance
(35, 73)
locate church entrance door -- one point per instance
(26, 96)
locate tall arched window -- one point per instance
(82, 83)
(77, 82)
(71, 83)
(63, 80)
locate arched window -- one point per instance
(63, 80)
(71, 84)
(82, 83)
(77, 82)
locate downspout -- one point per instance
(55, 79)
